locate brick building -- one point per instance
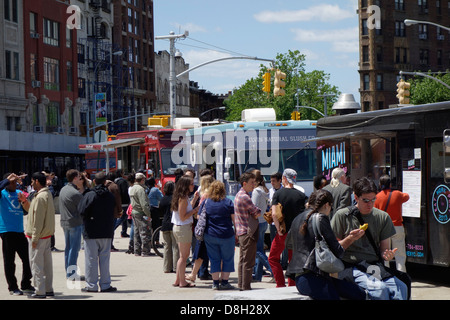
(394, 46)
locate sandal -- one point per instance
(188, 285)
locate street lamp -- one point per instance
(410, 22)
(209, 110)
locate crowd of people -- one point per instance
(92, 210)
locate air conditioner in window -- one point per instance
(73, 130)
(38, 129)
(441, 37)
(34, 35)
(59, 130)
(35, 84)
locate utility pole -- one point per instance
(172, 75)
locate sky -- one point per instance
(325, 31)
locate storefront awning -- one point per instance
(100, 146)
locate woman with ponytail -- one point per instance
(309, 279)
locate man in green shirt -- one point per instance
(362, 256)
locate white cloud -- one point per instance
(324, 12)
(341, 40)
(191, 27)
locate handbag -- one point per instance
(326, 261)
(201, 224)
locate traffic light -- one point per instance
(266, 82)
(279, 83)
(295, 115)
(403, 91)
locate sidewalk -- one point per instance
(136, 278)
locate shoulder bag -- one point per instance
(201, 224)
(326, 261)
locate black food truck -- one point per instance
(412, 145)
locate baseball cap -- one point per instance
(291, 175)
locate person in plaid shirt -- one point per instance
(246, 224)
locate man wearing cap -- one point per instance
(293, 203)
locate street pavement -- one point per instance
(142, 278)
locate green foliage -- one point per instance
(425, 90)
(310, 86)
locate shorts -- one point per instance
(183, 233)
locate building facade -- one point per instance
(162, 63)
(38, 73)
(392, 46)
(134, 32)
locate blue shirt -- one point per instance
(154, 196)
(218, 218)
(11, 213)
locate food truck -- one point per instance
(411, 144)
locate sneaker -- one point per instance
(215, 287)
(16, 292)
(37, 296)
(88, 290)
(227, 286)
(29, 290)
(110, 289)
(125, 235)
(50, 294)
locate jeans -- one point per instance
(387, 289)
(276, 249)
(221, 253)
(97, 256)
(261, 259)
(326, 288)
(72, 238)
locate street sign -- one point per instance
(100, 136)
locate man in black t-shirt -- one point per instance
(293, 203)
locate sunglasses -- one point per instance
(368, 200)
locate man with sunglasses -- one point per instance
(364, 257)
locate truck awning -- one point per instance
(355, 135)
(100, 146)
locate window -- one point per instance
(34, 66)
(439, 57)
(51, 74)
(364, 28)
(51, 32)
(423, 54)
(33, 22)
(82, 88)
(423, 31)
(379, 54)
(379, 82)
(399, 5)
(80, 53)
(12, 65)
(11, 11)
(365, 53)
(400, 29)
(366, 85)
(68, 38)
(69, 76)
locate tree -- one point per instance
(310, 86)
(425, 90)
